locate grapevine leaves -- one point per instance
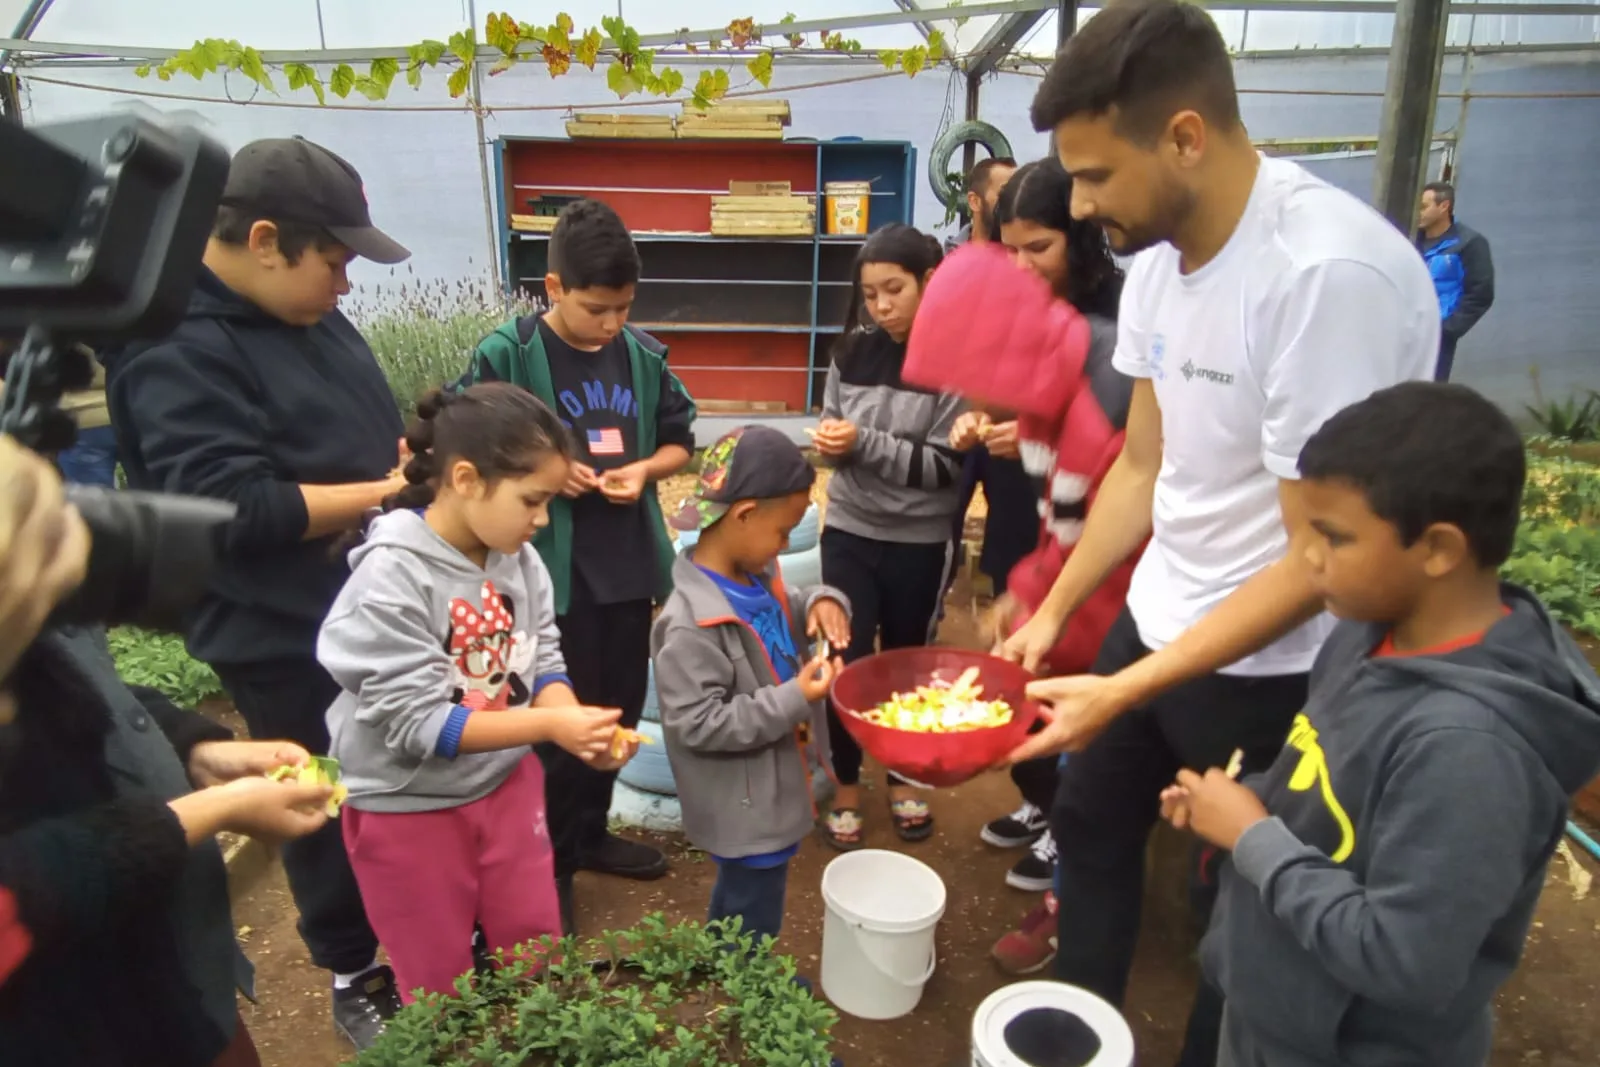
(631, 68)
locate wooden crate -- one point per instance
(742, 109)
(534, 223)
(624, 131)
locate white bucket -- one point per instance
(877, 939)
(1056, 1003)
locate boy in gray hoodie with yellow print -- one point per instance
(1386, 868)
(740, 697)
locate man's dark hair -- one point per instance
(233, 226)
(1425, 453)
(1148, 59)
(982, 173)
(591, 248)
(1443, 193)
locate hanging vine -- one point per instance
(630, 67)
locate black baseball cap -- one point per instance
(750, 463)
(290, 179)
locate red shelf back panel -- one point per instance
(570, 168)
(740, 366)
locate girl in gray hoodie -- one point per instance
(893, 497)
(444, 642)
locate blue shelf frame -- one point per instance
(892, 164)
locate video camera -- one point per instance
(103, 222)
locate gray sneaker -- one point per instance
(361, 1009)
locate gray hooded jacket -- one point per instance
(736, 739)
(1416, 805)
(419, 639)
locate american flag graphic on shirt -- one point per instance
(606, 442)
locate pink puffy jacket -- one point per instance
(995, 333)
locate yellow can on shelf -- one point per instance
(848, 205)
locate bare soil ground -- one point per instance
(1545, 1015)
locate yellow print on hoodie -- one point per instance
(1312, 770)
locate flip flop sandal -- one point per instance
(911, 819)
(842, 829)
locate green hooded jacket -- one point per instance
(514, 355)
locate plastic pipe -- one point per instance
(1590, 845)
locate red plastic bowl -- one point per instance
(940, 760)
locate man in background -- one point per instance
(984, 182)
(1462, 269)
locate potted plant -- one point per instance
(688, 995)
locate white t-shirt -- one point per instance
(1315, 302)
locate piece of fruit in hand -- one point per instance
(623, 737)
(321, 770)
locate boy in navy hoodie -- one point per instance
(1386, 868)
(267, 396)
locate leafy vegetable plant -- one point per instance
(1557, 550)
(160, 662)
(653, 996)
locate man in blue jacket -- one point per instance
(268, 397)
(1462, 269)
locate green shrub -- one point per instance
(160, 662)
(652, 996)
(423, 333)
(1557, 551)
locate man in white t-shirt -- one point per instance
(1262, 301)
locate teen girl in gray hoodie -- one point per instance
(893, 497)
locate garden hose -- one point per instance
(944, 149)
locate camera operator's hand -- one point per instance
(256, 807)
(219, 762)
(44, 548)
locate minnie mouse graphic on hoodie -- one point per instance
(419, 638)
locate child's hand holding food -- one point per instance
(816, 677)
(1218, 808)
(583, 731)
(624, 746)
(835, 437)
(623, 485)
(969, 430)
(580, 480)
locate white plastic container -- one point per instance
(1057, 1002)
(878, 951)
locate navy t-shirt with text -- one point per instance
(613, 560)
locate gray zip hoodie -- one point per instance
(902, 483)
(419, 639)
(736, 739)
(1415, 807)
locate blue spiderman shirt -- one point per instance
(758, 609)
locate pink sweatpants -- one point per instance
(427, 876)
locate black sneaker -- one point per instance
(1035, 872)
(361, 1008)
(1022, 827)
(625, 859)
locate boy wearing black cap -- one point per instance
(740, 700)
(268, 397)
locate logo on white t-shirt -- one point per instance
(1191, 371)
(1158, 351)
